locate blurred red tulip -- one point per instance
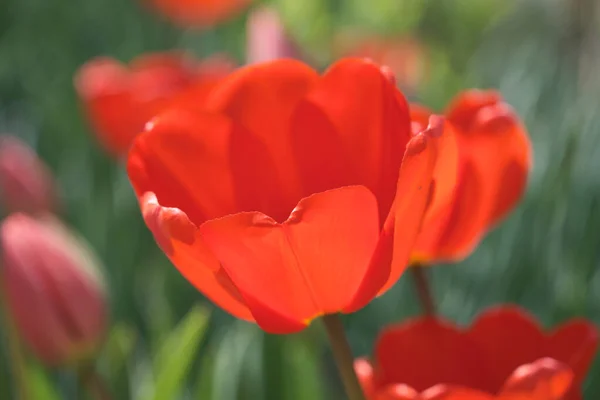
(478, 185)
(199, 13)
(505, 354)
(54, 292)
(119, 99)
(406, 56)
(26, 184)
(276, 201)
(266, 37)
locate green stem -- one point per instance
(16, 357)
(343, 356)
(423, 289)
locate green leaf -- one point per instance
(118, 348)
(174, 359)
(39, 385)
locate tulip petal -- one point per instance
(364, 373)
(575, 343)
(414, 192)
(447, 221)
(424, 352)
(544, 379)
(182, 157)
(372, 121)
(397, 391)
(449, 392)
(314, 261)
(262, 98)
(497, 144)
(509, 337)
(178, 237)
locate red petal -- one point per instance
(261, 98)
(497, 144)
(372, 122)
(545, 379)
(465, 105)
(448, 220)
(424, 352)
(397, 391)
(181, 158)
(574, 343)
(445, 392)
(120, 101)
(178, 237)
(364, 372)
(413, 195)
(201, 13)
(310, 265)
(509, 338)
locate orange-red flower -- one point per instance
(199, 13)
(119, 99)
(478, 185)
(505, 354)
(405, 56)
(276, 200)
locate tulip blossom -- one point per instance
(119, 99)
(406, 57)
(26, 184)
(266, 37)
(504, 355)
(199, 13)
(54, 291)
(478, 185)
(293, 194)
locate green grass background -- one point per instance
(546, 256)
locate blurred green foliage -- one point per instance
(546, 256)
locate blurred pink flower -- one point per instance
(26, 184)
(266, 37)
(54, 291)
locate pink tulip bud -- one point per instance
(266, 37)
(26, 184)
(54, 290)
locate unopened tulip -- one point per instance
(25, 181)
(267, 39)
(53, 288)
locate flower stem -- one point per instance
(94, 383)
(423, 289)
(343, 356)
(16, 357)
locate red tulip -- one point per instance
(504, 354)
(266, 37)
(478, 185)
(406, 57)
(119, 100)
(25, 181)
(54, 292)
(276, 201)
(199, 13)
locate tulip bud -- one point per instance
(26, 184)
(267, 39)
(53, 289)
